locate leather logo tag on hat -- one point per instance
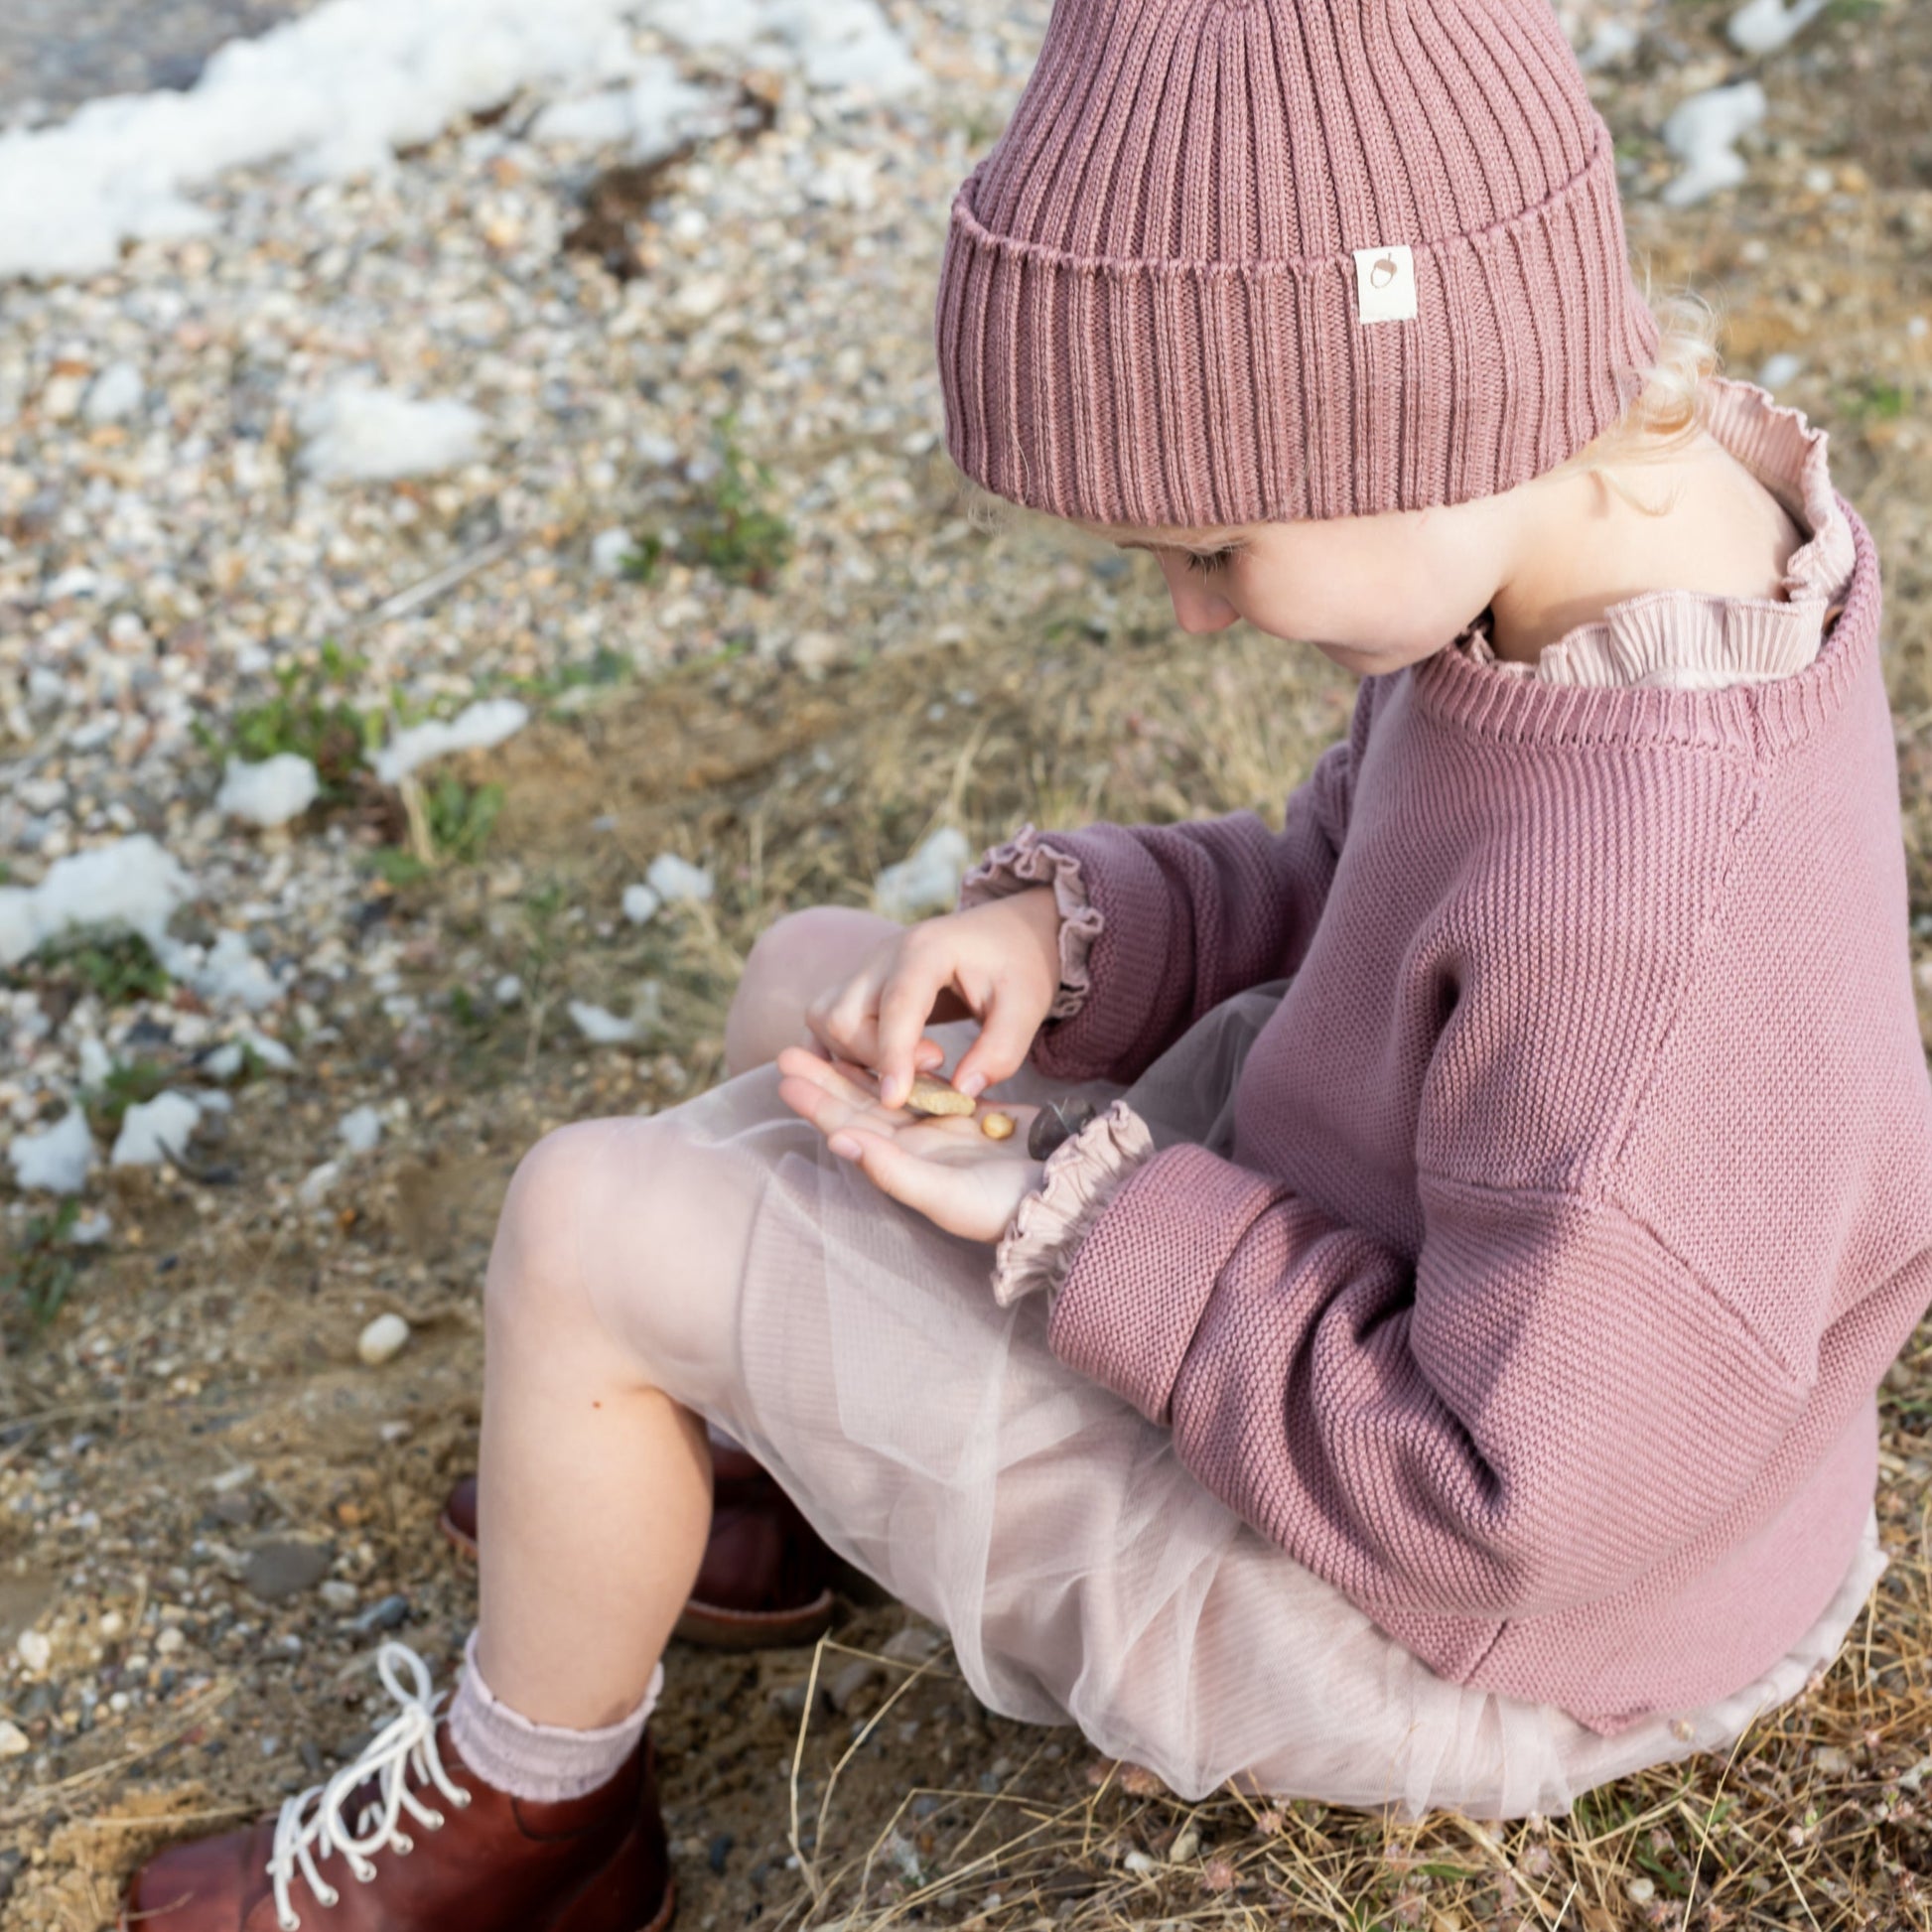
(1385, 284)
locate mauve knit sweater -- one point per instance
(1582, 1189)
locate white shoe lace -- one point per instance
(406, 1744)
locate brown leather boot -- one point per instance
(766, 1578)
(408, 1839)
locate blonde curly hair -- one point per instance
(1669, 409)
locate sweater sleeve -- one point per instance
(1183, 916)
(1536, 1410)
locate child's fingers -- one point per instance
(999, 1051)
(905, 1004)
(843, 1020)
(838, 1080)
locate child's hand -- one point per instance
(944, 1169)
(999, 963)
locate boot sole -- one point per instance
(713, 1626)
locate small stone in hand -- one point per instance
(996, 1127)
(931, 1096)
(1059, 1121)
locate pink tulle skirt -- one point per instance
(1083, 1575)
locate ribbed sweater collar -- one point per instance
(1748, 721)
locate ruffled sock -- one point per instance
(539, 1763)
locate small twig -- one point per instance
(34, 1804)
(433, 586)
(808, 1867)
(415, 809)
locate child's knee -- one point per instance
(792, 962)
(536, 1267)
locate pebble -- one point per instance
(114, 394)
(1140, 1864)
(933, 1097)
(392, 1613)
(1186, 1847)
(848, 1681)
(284, 1567)
(170, 1642)
(1640, 1892)
(341, 1597)
(382, 1340)
(360, 1129)
(912, 1645)
(35, 1649)
(14, 1743)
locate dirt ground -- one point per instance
(193, 1429)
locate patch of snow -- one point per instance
(927, 881)
(132, 885)
(96, 1062)
(1764, 26)
(1780, 369)
(673, 879)
(605, 1029)
(600, 1025)
(487, 721)
(340, 88)
(156, 1130)
(1703, 133)
(91, 1230)
(360, 1129)
(507, 991)
(270, 792)
(59, 1158)
(228, 973)
(359, 433)
(608, 549)
(640, 903)
(652, 116)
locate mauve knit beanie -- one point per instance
(1240, 261)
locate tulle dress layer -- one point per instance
(1082, 1572)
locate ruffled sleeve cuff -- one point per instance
(1082, 1175)
(1024, 862)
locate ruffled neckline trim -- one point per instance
(1698, 640)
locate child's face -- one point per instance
(1374, 592)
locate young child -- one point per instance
(1441, 1372)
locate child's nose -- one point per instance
(1199, 610)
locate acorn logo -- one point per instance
(1385, 284)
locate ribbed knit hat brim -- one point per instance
(1134, 330)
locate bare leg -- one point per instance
(614, 1280)
(596, 1486)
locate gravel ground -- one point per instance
(209, 1507)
